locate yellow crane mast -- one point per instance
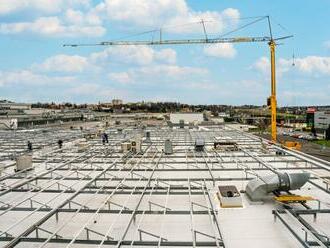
(269, 39)
(273, 103)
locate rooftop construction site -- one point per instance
(160, 186)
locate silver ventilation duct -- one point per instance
(258, 188)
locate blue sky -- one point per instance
(35, 67)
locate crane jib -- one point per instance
(189, 41)
(184, 41)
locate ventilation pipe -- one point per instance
(258, 188)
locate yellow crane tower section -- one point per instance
(273, 103)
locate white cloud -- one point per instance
(51, 26)
(52, 18)
(70, 18)
(156, 73)
(43, 6)
(310, 64)
(132, 55)
(212, 21)
(121, 77)
(74, 16)
(64, 63)
(142, 12)
(140, 55)
(232, 14)
(77, 17)
(27, 77)
(215, 22)
(8, 6)
(166, 55)
(262, 65)
(166, 13)
(220, 50)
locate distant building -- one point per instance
(310, 116)
(322, 119)
(116, 102)
(5, 105)
(175, 118)
(11, 108)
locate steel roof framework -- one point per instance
(126, 200)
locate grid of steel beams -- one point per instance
(14, 142)
(103, 197)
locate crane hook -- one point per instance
(293, 60)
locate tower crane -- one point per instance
(271, 41)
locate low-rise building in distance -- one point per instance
(322, 119)
(175, 118)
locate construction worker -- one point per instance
(60, 143)
(29, 145)
(106, 137)
(103, 138)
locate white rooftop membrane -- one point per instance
(104, 198)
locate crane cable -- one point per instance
(197, 22)
(293, 64)
(243, 26)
